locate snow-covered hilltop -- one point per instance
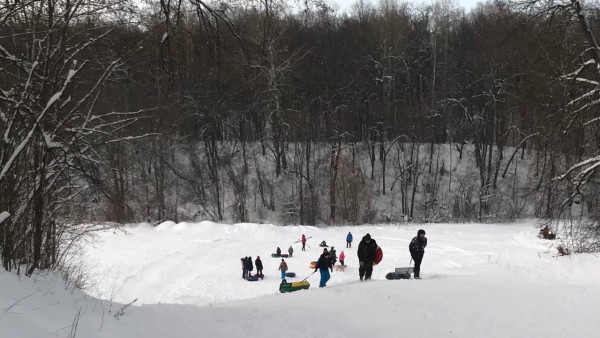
(479, 280)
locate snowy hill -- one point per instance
(479, 280)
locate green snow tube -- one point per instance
(291, 287)
(274, 255)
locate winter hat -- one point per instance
(421, 231)
(367, 237)
(257, 257)
(325, 250)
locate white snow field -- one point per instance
(479, 280)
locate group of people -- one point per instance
(366, 252)
(290, 251)
(247, 266)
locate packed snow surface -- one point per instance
(479, 280)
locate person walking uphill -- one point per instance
(366, 256)
(417, 250)
(349, 240)
(303, 242)
(283, 267)
(324, 265)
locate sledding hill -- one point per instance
(478, 281)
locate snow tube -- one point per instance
(313, 265)
(285, 255)
(323, 246)
(378, 256)
(395, 275)
(290, 274)
(291, 287)
(260, 275)
(252, 278)
(275, 255)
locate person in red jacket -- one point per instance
(303, 242)
(342, 256)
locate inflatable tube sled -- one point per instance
(260, 275)
(284, 255)
(252, 278)
(395, 275)
(290, 274)
(323, 246)
(378, 256)
(313, 265)
(291, 287)
(274, 255)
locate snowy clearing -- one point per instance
(479, 280)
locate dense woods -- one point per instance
(251, 111)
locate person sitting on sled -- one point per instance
(278, 251)
(323, 244)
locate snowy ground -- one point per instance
(479, 280)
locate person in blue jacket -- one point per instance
(324, 265)
(417, 250)
(349, 240)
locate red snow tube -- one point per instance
(378, 256)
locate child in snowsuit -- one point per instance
(250, 266)
(303, 242)
(342, 256)
(417, 250)
(278, 251)
(283, 267)
(349, 240)
(291, 251)
(324, 265)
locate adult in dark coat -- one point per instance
(417, 250)
(366, 256)
(259, 266)
(244, 268)
(250, 266)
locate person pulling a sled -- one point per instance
(303, 242)
(259, 266)
(283, 267)
(417, 250)
(324, 266)
(366, 256)
(291, 250)
(349, 240)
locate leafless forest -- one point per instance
(247, 111)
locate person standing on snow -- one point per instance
(332, 256)
(303, 242)
(250, 266)
(349, 240)
(244, 268)
(291, 251)
(417, 250)
(283, 267)
(342, 256)
(366, 256)
(259, 266)
(324, 265)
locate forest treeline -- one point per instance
(248, 111)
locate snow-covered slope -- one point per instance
(479, 280)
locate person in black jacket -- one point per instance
(366, 256)
(417, 250)
(259, 266)
(324, 265)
